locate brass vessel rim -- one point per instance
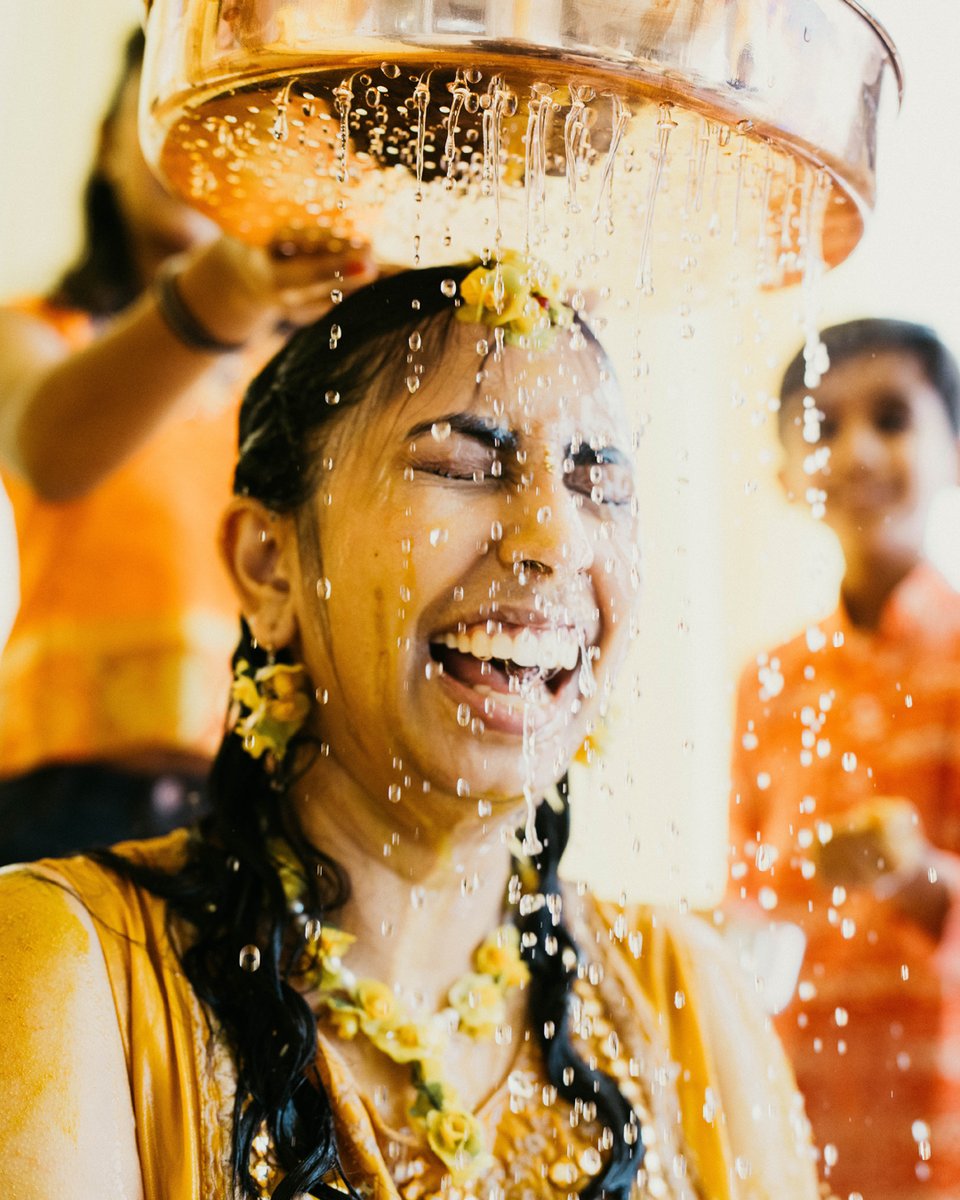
(875, 24)
(882, 33)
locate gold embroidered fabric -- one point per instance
(660, 1008)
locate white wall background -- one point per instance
(759, 571)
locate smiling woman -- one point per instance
(357, 959)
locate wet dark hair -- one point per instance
(104, 278)
(229, 889)
(877, 335)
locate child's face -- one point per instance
(891, 449)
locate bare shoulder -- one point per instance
(64, 1094)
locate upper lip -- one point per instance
(513, 617)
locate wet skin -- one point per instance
(469, 509)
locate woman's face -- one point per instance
(468, 571)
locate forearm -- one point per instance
(69, 418)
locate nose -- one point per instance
(545, 525)
(859, 448)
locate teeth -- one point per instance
(544, 649)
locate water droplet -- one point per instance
(394, 793)
(386, 929)
(440, 431)
(391, 70)
(414, 341)
(312, 930)
(331, 397)
(417, 896)
(449, 288)
(324, 588)
(250, 958)
(496, 531)
(483, 347)
(463, 787)
(463, 715)
(336, 296)
(484, 808)
(439, 536)
(544, 515)
(413, 383)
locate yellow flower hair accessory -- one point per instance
(270, 707)
(517, 296)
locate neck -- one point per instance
(869, 581)
(412, 882)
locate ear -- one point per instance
(257, 547)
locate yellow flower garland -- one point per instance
(369, 1007)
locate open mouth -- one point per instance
(504, 674)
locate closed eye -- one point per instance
(605, 476)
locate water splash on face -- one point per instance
(587, 680)
(532, 846)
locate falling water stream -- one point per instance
(437, 161)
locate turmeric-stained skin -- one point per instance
(65, 1110)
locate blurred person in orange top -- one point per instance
(846, 807)
(118, 399)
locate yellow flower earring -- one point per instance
(270, 705)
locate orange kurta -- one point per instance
(832, 719)
(126, 621)
(661, 1008)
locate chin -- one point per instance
(499, 773)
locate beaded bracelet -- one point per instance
(179, 319)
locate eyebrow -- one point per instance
(497, 437)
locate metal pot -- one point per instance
(301, 119)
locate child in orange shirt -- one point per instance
(846, 808)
